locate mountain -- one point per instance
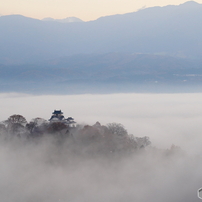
(143, 51)
(169, 30)
(103, 73)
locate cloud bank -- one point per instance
(44, 171)
(166, 118)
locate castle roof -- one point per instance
(57, 112)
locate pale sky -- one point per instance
(85, 10)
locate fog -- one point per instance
(45, 171)
(166, 118)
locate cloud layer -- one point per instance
(44, 171)
(166, 118)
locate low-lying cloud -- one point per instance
(45, 171)
(166, 118)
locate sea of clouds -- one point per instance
(45, 172)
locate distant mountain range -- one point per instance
(169, 30)
(104, 73)
(153, 46)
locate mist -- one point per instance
(47, 171)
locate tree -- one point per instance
(142, 142)
(36, 124)
(16, 125)
(117, 129)
(2, 129)
(56, 127)
(16, 118)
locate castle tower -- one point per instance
(57, 116)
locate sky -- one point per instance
(86, 10)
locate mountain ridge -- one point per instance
(112, 72)
(169, 30)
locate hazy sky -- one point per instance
(86, 10)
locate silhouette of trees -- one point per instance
(117, 129)
(93, 139)
(17, 119)
(2, 129)
(16, 125)
(37, 126)
(56, 127)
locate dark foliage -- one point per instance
(93, 140)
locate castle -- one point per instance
(57, 116)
